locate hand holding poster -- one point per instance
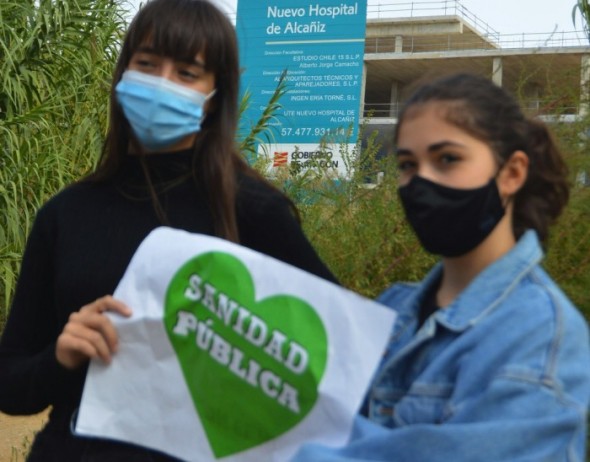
(231, 354)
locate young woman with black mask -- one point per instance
(488, 359)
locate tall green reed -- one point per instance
(56, 60)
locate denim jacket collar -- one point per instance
(488, 288)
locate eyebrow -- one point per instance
(152, 51)
(432, 148)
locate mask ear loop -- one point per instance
(505, 201)
(210, 95)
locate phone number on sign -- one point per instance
(315, 131)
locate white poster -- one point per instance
(231, 355)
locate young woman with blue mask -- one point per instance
(170, 159)
(488, 359)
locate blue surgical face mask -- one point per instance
(159, 111)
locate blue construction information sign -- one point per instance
(320, 45)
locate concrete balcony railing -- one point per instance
(424, 44)
(400, 10)
(532, 107)
(492, 39)
(382, 110)
(565, 39)
(457, 42)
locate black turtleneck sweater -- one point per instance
(79, 247)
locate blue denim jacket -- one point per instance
(501, 374)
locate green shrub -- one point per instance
(361, 233)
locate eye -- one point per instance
(144, 62)
(446, 158)
(189, 74)
(406, 165)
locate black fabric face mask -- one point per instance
(448, 221)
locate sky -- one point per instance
(529, 16)
(504, 16)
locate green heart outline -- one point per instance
(237, 415)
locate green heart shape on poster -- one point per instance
(253, 367)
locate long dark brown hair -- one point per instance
(181, 29)
(487, 112)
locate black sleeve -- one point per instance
(268, 224)
(30, 376)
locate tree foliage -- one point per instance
(56, 61)
(582, 7)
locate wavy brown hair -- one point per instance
(181, 29)
(487, 112)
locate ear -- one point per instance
(513, 174)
